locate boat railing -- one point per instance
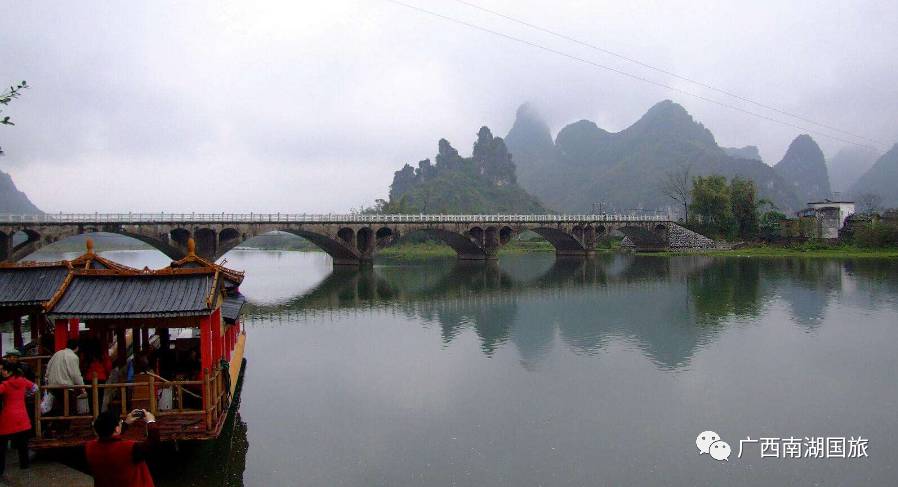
(210, 391)
(36, 362)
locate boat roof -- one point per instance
(93, 287)
(100, 294)
(233, 278)
(32, 283)
(231, 307)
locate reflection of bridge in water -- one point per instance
(348, 239)
(466, 284)
(644, 302)
(667, 308)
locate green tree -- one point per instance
(711, 209)
(7, 96)
(771, 227)
(743, 198)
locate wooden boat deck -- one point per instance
(171, 427)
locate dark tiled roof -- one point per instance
(135, 296)
(30, 285)
(192, 261)
(231, 306)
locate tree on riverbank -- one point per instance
(712, 212)
(725, 209)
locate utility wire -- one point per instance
(629, 75)
(663, 71)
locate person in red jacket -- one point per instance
(14, 422)
(115, 462)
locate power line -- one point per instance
(664, 71)
(629, 75)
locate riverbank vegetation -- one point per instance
(815, 250)
(731, 211)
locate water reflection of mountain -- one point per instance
(666, 307)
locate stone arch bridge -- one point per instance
(348, 239)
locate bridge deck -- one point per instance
(242, 218)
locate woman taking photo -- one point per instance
(14, 422)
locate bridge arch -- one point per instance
(228, 238)
(346, 234)
(645, 239)
(506, 233)
(465, 245)
(340, 249)
(385, 236)
(22, 242)
(564, 243)
(364, 240)
(26, 249)
(476, 234)
(180, 236)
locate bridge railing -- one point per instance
(170, 218)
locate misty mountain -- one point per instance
(534, 148)
(624, 170)
(881, 180)
(12, 200)
(848, 165)
(483, 183)
(747, 152)
(804, 167)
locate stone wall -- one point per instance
(683, 238)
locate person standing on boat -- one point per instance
(15, 424)
(13, 356)
(115, 462)
(64, 369)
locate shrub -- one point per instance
(875, 235)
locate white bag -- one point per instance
(165, 399)
(46, 402)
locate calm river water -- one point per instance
(558, 373)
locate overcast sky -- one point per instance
(310, 106)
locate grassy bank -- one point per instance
(807, 250)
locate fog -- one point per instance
(311, 106)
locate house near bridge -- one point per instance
(826, 218)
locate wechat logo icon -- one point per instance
(709, 442)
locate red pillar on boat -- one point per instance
(61, 335)
(215, 323)
(206, 342)
(74, 328)
(135, 340)
(145, 338)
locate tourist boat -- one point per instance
(181, 322)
